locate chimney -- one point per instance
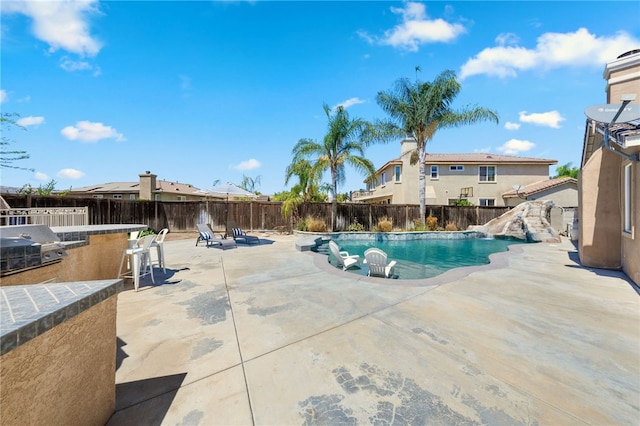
(147, 185)
(407, 144)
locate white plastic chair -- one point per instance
(344, 259)
(159, 246)
(378, 264)
(139, 259)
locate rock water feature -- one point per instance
(528, 221)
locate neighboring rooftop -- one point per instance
(484, 158)
(536, 187)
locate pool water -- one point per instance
(426, 258)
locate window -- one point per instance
(98, 196)
(627, 198)
(132, 196)
(487, 173)
(156, 197)
(182, 198)
(456, 168)
(397, 173)
(487, 202)
(383, 178)
(434, 172)
(117, 196)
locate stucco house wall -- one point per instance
(605, 241)
(562, 196)
(449, 182)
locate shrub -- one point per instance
(315, 224)
(463, 202)
(385, 225)
(451, 227)
(417, 226)
(355, 227)
(432, 223)
(302, 225)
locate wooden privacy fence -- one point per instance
(183, 216)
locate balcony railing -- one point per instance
(50, 216)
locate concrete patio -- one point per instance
(268, 335)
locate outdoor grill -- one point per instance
(28, 246)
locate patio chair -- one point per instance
(159, 246)
(206, 234)
(343, 258)
(378, 264)
(139, 260)
(239, 234)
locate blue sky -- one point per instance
(216, 90)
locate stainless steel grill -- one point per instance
(28, 246)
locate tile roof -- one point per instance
(540, 186)
(162, 186)
(484, 158)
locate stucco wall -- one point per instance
(65, 376)
(449, 182)
(599, 211)
(565, 196)
(631, 241)
(98, 260)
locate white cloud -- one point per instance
(69, 174)
(511, 126)
(4, 97)
(507, 39)
(87, 131)
(41, 176)
(248, 165)
(552, 50)
(60, 24)
(30, 121)
(515, 146)
(549, 119)
(416, 29)
(348, 103)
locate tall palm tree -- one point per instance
(420, 109)
(344, 143)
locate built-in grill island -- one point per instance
(25, 247)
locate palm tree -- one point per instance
(249, 184)
(305, 190)
(344, 143)
(420, 109)
(308, 180)
(567, 170)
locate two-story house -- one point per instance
(480, 178)
(609, 190)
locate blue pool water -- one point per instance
(426, 258)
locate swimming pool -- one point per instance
(427, 258)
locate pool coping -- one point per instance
(499, 260)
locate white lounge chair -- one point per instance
(344, 259)
(378, 264)
(206, 234)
